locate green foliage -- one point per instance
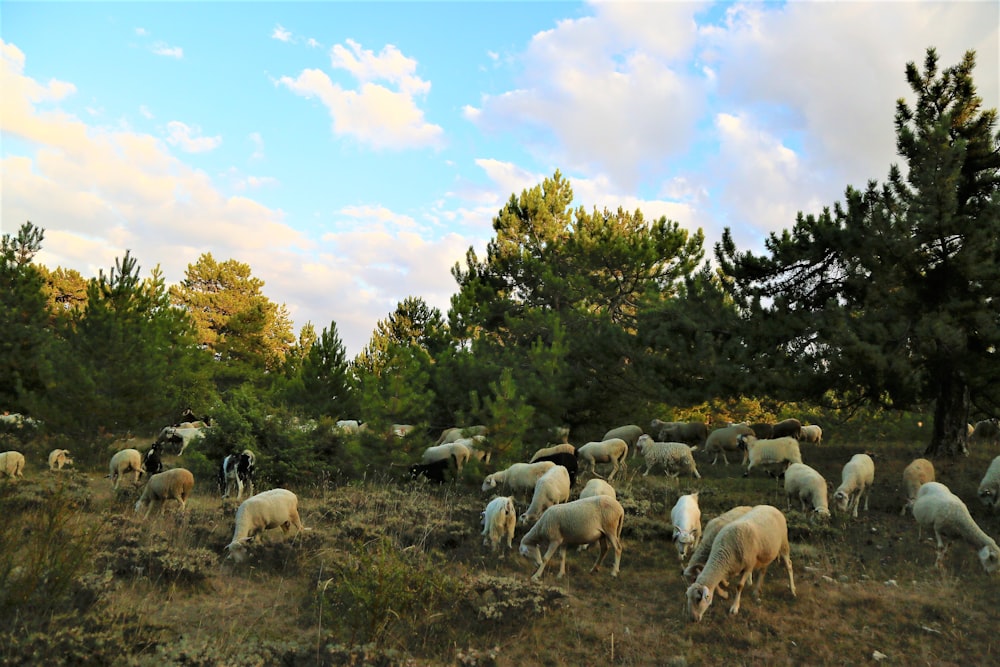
(509, 417)
(323, 384)
(379, 591)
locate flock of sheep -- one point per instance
(731, 550)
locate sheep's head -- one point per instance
(489, 483)
(987, 497)
(989, 556)
(699, 598)
(684, 540)
(238, 550)
(841, 499)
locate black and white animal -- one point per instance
(237, 470)
(565, 460)
(434, 471)
(151, 462)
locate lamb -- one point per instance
(12, 464)
(266, 510)
(712, 528)
(771, 452)
(808, 486)
(725, 439)
(551, 489)
(791, 428)
(613, 451)
(124, 462)
(937, 507)
(59, 458)
(518, 477)
(499, 520)
(989, 487)
(686, 520)
(749, 543)
(915, 475)
(675, 457)
(562, 448)
(173, 484)
(585, 521)
(857, 479)
(565, 460)
(812, 434)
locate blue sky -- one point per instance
(351, 152)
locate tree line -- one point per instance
(574, 317)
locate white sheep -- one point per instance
(473, 444)
(519, 477)
(584, 521)
(675, 457)
(726, 439)
(686, 520)
(812, 434)
(551, 489)
(266, 510)
(704, 548)
(808, 486)
(499, 520)
(561, 448)
(598, 487)
(185, 436)
(613, 451)
(989, 487)
(457, 432)
(937, 507)
(173, 484)
(629, 433)
(59, 458)
(456, 451)
(915, 475)
(857, 479)
(12, 464)
(748, 544)
(124, 462)
(778, 452)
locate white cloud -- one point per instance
(280, 34)
(187, 139)
(374, 114)
(258, 146)
(163, 49)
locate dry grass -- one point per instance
(394, 573)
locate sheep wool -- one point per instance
(551, 489)
(704, 548)
(806, 484)
(938, 508)
(613, 451)
(989, 487)
(12, 464)
(174, 484)
(686, 520)
(59, 458)
(778, 452)
(675, 457)
(748, 544)
(264, 511)
(915, 475)
(857, 479)
(726, 439)
(562, 448)
(124, 462)
(519, 477)
(595, 519)
(499, 520)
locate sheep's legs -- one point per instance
(545, 560)
(735, 608)
(603, 541)
(791, 577)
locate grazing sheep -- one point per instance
(12, 464)
(59, 458)
(402, 430)
(686, 520)
(986, 431)
(915, 475)
(747, 544)
(499, 520)
(433, 472)
(472, 444)
(519, 477)
(613, 451)
(780, 452)
(266, 510)
(562, 448)
(182, 436)
(726, 439)
(857, 479)
(788, 428)
(598, 487)
(949, 517)
(629, 433)
(551, 489)
(566, 460)
(585, 521)
(808, 486)
(812, 434)
(173, 484)
(458, 432)
(237, 470)
(704, 548)
(763, 430)
(456, 451)
(124, 462)
(690, 433)
(989, 487)
(348, 426)
(675, 457)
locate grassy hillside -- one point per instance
(395, 573)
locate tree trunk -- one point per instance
(951, 415)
